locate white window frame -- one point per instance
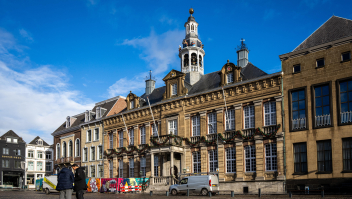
(100, 176)
(174, 89)
(40, 153)
(58, 150)
(40, 165)
(99, 151)
(121, 139)
(120, 168)
(231, 160)
(64, 146)
(77, 149)
(68, 151)
(156, 165)
(89, 138)
(85, 156)
(131, 136)
(143, 166)
(271, 157)
(230, 119)
(212, 117)
(196, 125)
(248, 113)
(95, 134)
(30, 152)
(111, 141)
(269, 113)
(15, 140)
(250, 159)
(91, 153)
(29, 166)
(213, 160)
(172, 127)
(131, 167)
(6, 151)
(143, 135)
(90, 170)
(9, 140)
(229, 78)
(17, 151)
(196, 158)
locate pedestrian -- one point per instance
(80, 181)
(65, 181)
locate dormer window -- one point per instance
(98, 112)
(229, 78)
(8, 140)
(86, 114)
(15, 140)
(174, 89)
(68, 122)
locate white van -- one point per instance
(49, 184)
(196, 185)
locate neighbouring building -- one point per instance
(318, 109)
(239, 104)
(12, 168)
(39, 161)
(92, 134)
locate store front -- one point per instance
(13, 178)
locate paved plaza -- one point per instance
(39, 195)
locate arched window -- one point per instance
(194, 59)
(77, 148)
(57, 151)
(185, 60)
(64, 149)
(200, 61)
(192, 27)
(70, 149)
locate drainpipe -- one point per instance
(283, 125)
(102, 147)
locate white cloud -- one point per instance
(26, 35)
(124, 85)
(34, 101)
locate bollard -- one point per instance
(232, 194)
(167, 193)
(151, 193)
(290, 194)
(259, 193)
(209, 194)
(322, 193)
(187, 192)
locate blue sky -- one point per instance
(58, 58)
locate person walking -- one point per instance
(65, 181)
(80, 181)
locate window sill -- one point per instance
(296, 72)
(323, 172)
(300, 173)
(270, 172)
(343, 124)
(296, 130)
(88, 142)
(321, 127)
(96, 141)
(249, 172)
(347, 60)
(346, 171)
(317, 67)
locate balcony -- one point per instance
(211, 137)
(64, 160)
(299, 123)
(269, 129)
(229, 134)
(346, 117)
(195, 139)
(248, 132)
(166, 140)
(322, 120)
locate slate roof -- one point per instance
(10, 133)
(333, 29)
(34, 141)
(251, 71)
(79, 120)
(107, 105)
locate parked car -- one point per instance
(196, 185)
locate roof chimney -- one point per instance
(149, 84)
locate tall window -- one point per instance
(30, 166)
(78, 146)
(96, 134)
(271, 157)
(173, 127)
(121, 139)
(89, 135)
(92, 171)
(100, 152)
(155, 129)
(39, 166)
(132, 104)
(5, 164)
(111, 169)
(64, 148)
(248, 117)
(298, 100)
(5, 151)
(48, 166)
(300, 157)
(347, 154)
(196, 162)
(174, 89)
(250, 158)
(143, 166)
(270, 113)
(131, 135)
(111, 140)
(48, 155)
(92, 153)
(346, 101)
(156, 166)
(212, 121)
(100, 171)
(85, 154)
(131, 168)
(324, 155)
(58, 151)
(39, 155)
(70, 149)
(120, 168)
(213, 160)
(30, 154)
(229, 78)
(142, 130)
(17, 152)
(230, 119)
(231, 160)
(322, 105)
(196, 125)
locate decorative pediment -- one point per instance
(230, 68)
(175, 84)
(173, 74)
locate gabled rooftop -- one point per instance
(34, 141)
(10, 133)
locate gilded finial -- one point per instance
(191, 11)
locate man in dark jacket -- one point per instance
(80, 181)
(65, 181)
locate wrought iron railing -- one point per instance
(299, 123)
(346, 117)
(322, 120)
